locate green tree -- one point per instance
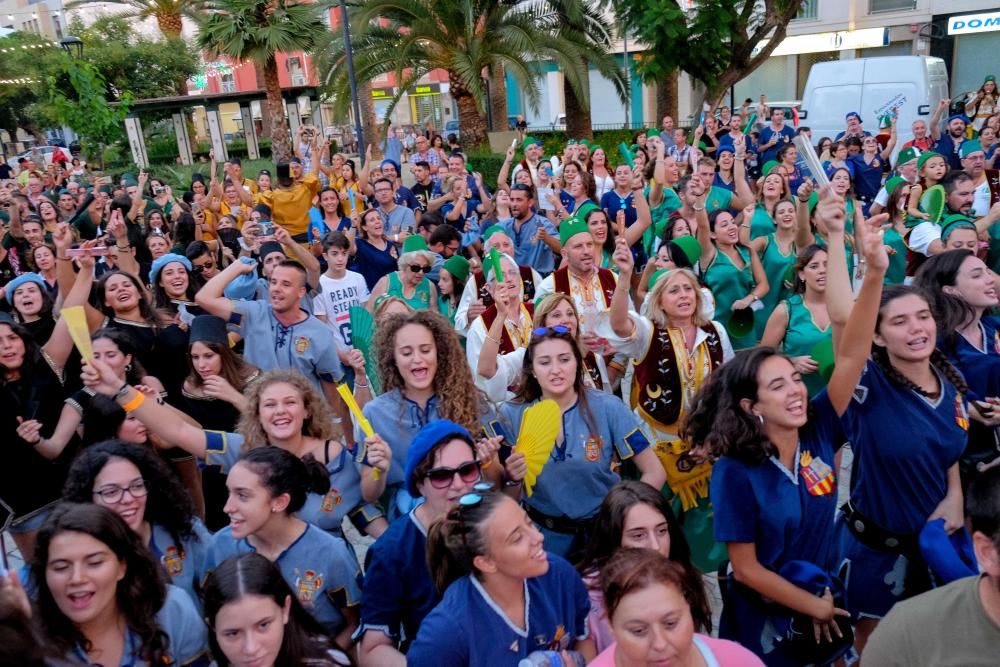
(256, 30)
(714, 41)
(30, 61)
(169, 14)
(82, 104)
(467, 39)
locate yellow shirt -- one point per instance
(290, 206)
(251, 185)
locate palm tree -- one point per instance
(256, 30)
(169, 14)
(466, 38)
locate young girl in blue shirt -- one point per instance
(504, 597)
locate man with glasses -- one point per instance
(424, 153)
(536, 240)
(445, 242)
(398, 220)
(203, 264)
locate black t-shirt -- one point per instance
(6, 171)
(422, 193)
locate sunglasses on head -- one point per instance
(440, 478)
(418, 268)
(545, 331)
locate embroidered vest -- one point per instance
(527, 285)
(658, 392)
(508, 344)
(560, 282)
(593, 370)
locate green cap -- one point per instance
(907, 154)
(585, 142)
(594, 147)
(990, 77)
(529, 141)
(652, 132)
(656, 276)
(924, 157)
(893, 183)
(953, 222)
(573, 225)
(571, 142)
(740, 322)
(969, 147)
(769, 166)
(457, 266)
(491, 230)
(690, 246)
(413, 243)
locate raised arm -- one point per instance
(308, 261)
(744, 195)
(364, 176)
(935, 121)
(856, 325)
(803, 229)
(887, 151)
(126, 257)
(211, 297)
(502, 177)
(643, 216)
(621, 323)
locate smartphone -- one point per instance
(158, 189)
(266, 228)
(96, 251)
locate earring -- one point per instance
(128, 367)
(273, 510)
(760, 418)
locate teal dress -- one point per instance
(761, 224)
(730, 284)
(421, 298)
(897, 259)
(801, 336)
(659, 215)
(776, 266)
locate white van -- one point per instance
(872, 87)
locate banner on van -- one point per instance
(973, 23)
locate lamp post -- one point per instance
(349, 55)
(73, 46)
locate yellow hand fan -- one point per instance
(76, 321)
(539, 429)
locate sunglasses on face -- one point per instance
(417, 268)
(441, 478)
(199, 268)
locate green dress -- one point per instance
(421, 298)
(718, 198)
(761, 224)
(897, 260)
(659, 215)
(776, 266)
(801, 336)
(730, 284)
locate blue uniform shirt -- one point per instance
(307, 346)
(903, 445)
(981, 368)
(788, 514)
(579, 473)
(398, 591)
(187, 636)
(318, 227)
(184, 562)
(950, 148)
(320, 569)
(867, 176)
(612, 202)
(469, 628)
(528, 251)
(772, 152)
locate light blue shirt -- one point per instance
(528, 251)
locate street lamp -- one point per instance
(73, 46)
(349, 55)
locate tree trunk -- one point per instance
(578, 121)
(281, 141)
(369, 124)
(666, 98)
(265, 114)
(471, 121)
(498, 98)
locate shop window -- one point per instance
(891, 5)
(808, 11)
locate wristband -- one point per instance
(489, 337)
(122, 391)
(132, 405)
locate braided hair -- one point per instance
(938, 360)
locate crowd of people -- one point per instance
(286, 422)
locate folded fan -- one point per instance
(539, 429)
(76, 321)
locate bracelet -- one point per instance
(803, 200)
(485, 465)
(358, 385)
(510, 483)
(123, 247)
(489, 337)
(122, 390)
(63, 259)
(132, 405)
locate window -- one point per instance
(808, 11)
(891, 5)
(57, 26)
(228, 83)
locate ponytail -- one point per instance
(454, 541)
(281, 472)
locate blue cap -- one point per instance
(961, 116)
(948, 557)
(424, 441)
(393, 163)
(160, 262)
(244, 286)
(725, 148)
(855, 114)
(21, 280)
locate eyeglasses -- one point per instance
(199, 268)
(545, 331)
(440, 478)
(418, 268)
(113, 494)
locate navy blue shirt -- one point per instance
(867, 175)
(405, 197)
(949, 148)
(612, 202)
(765, 136)
(373, 263)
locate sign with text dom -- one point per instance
(973, 23)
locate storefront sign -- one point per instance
(829, 41)
(424, 90)
(972, 23)
(383, 93)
